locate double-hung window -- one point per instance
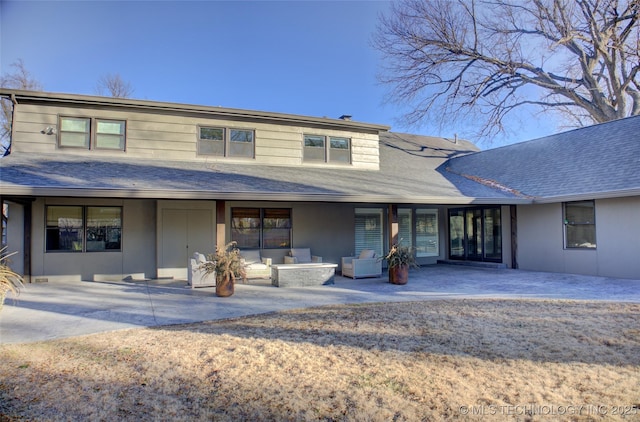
(83, 229)
(75, 132)
(261, 228)
(339, 150)
(326, 149)
(90, 133)
(226, 142)
(109, 134)
(579, 224)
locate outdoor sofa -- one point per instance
(301, 256)
(196, 275)
(367, 264)
(256, 266)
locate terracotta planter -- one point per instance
(224, 286)
(399, 274)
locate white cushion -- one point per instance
(367, 254)
(200, 258)
(302, 255)
(251, 257)
(290, 260)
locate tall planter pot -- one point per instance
(224, 286)
(399, 274)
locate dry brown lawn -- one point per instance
(437, 360)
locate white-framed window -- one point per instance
(579, 224)
(326, 149)
(92, 133)
(226, 142)
(77, 228)
(369, 230)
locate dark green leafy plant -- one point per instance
(401, 255)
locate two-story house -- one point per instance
(107, 188)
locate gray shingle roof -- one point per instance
(596, 161)
(409, 172)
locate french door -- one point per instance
(475, 234)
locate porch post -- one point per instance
(27, 210)
(513, 210)
(393, 224)
(221, 229)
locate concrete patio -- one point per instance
(66, 309)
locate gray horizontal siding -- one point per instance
(156, 135)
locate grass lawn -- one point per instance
(435, 360)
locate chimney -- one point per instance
(346, 117)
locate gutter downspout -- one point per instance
(27, 215)
(513, 210)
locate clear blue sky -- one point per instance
(301, 57)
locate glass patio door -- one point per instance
(492, 235)
(475, 234)
(456, 234)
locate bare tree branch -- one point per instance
(449, 59)
(20, 78)
(113, 85)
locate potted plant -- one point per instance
(399, 259)
(228, 266)
(10, 281)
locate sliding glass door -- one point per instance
(475, 234)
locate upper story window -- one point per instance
(88, 133)
(75, 132)
(225, 142)
(110, 134)
(339, 150)
(327, 149)
(580, 224)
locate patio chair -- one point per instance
(301, 256)
(256, 266)
(365, 265)
(197, 277)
